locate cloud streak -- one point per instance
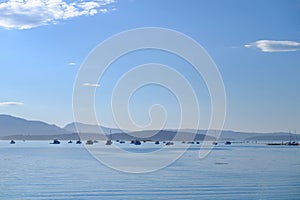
(274, 45)
(10, 103)
(27, 14)
(91, 85)
(71, 63)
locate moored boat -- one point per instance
(275, 144)
(169, 143)
(89, 142)
(292, 143)
(137, 142)
(55, 141)
(108, 142)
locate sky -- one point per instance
(255, 45)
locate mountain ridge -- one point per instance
(10, 125)
(14, 127)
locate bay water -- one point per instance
(38, 170)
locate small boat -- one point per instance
(55, 141)
(89, 142)
(227, 142)
(169, 143)
(78, 142)
(70, 142)
(156, 142)
(137, 142)
(275, 144)
(292, 143)
(190, 142)
(12, 142)
(108, 142)
(122, 141)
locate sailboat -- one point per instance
(109, 142)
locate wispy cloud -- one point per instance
(26, 14)
(91, 85)
(275, 45)
(10, 103)
(71, 63)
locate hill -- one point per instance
(10, 125)
(75, 127)
(18, 128)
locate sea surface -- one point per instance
(38, 170)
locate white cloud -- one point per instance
(26, 14)
(275, 45)
(10, 103)
(71, 63)
(104, 10)
(91, 85)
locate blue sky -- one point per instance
(255, 45)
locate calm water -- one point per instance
(38, 170)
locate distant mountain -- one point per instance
(92, 131)
(249, 136)
(224, 135)
(238, 136)
(75, 127)
(18, 128)
(10, 125)
(274, 137)
(73, 136)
